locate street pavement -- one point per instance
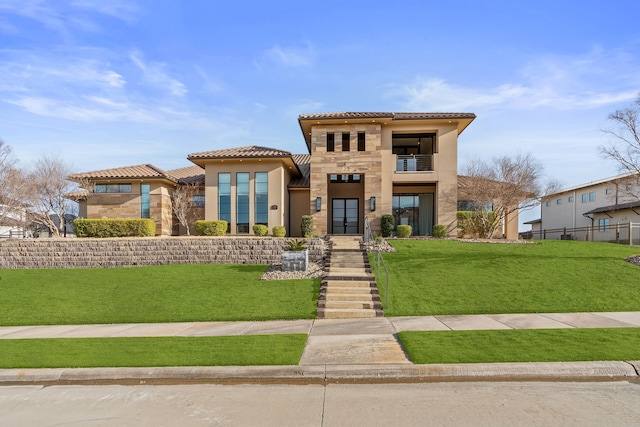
(357, 350)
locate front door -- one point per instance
(344, 216)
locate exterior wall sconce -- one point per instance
(318, 204)
(372, 203)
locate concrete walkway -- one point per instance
(336, 350)
(337, 341)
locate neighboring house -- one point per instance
(599, 205)
(13, 220)
(358, 165)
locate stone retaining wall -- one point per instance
(127, 252)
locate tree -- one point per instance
(12, 190)
(183, 205)
(48, 186)
(625, 147)
(494, 191)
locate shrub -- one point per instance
(386, 225)
(307, 225)
(404, 231)
(475, 223)
(279, 231)
(439, 231)
(112, 227)
(260, 230)
(211, 228)
(296, 245)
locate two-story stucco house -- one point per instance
(595, 208)
(358, 165)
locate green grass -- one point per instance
(522, 345)
(246, 350)
(430, 277)
(170, 293)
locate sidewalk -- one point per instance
(337, 350)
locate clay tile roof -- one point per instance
(303, 162)
(394, 116)
(138, 171)
(343, 115)
(240, 152)
(189, 175)
(77, 195)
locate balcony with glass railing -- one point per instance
(414, 163)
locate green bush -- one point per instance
(386, 225)
(404, 231)
(260, 230)
(112, 227)
(439, 231)
(476, 223)
(279, 231)
(307, 225)
(211, 228)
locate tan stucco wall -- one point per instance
(279, 177)
(300, 205)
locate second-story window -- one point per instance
(346, 142)
(361, 141)
(331, 142)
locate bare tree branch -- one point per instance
(183, 205)
(498, 189)
(625, 147)
(12, 190)
(48, 186)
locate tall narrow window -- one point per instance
(145, 201)
(592, 196)
(261, 206)
(346, 137)
(361, 141)
(331, 142)
(224, 198)
(242, 202)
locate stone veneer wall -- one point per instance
(128, 252)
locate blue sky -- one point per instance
(123, 82)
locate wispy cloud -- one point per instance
(551, 81)
(153, 73)
(292, 57)
(63, 17)
(124, 10)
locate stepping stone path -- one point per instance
(348, 288)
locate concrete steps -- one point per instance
(349, 289)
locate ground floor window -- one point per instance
(145, 201)
(261, 198)
(242, 202)
(415, 210)
(602, 224)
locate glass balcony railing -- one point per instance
(414, 163)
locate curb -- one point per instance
(326, 374)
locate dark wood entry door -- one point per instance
(344, 216)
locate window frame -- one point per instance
(362, 141)
(346, 141)
(331, 142)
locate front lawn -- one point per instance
(169, 293)
(431, 277)
(245, 350)
(522, 345)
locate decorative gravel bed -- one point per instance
(635, 259)
(274, 272)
